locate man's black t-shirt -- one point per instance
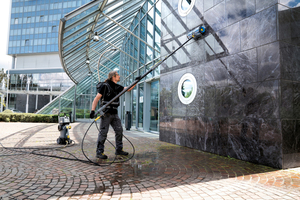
(109, 93)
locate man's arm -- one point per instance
(130, 88)
(95, 102)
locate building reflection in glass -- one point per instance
(40, 82)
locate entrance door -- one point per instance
(154, 112)
(141, 104)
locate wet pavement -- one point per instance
(158, 170)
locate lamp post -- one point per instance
(100, 59)
(27, 91)
(7, 91)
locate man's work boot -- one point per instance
(121, 152)
(101, 156)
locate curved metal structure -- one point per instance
(110, 19)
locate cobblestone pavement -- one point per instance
(158, 170)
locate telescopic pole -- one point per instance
(141, 77)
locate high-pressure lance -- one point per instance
(196, 34)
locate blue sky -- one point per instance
(294, 3)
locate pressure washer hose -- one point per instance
(36, 151)
(109, 142)
(100, 111)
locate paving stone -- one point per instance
(153, 173)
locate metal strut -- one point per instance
(100, 110)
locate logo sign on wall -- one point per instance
(185, 7)
(187, 88)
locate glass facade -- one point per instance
(41, 88)
(137, 50)
(81, 94)
(40, 82)
(34, 24)
(146, 25)
(134, 103)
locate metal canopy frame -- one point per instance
(111, 19)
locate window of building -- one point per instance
(185, 7)
(16, 20)
(41, 18)
(27, 42)
(54, 28)
(28, 20)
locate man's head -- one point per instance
(114, 76)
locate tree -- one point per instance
(3, 76)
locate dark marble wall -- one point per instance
(248, 108)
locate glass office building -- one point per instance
(34, 24)
(36, 76)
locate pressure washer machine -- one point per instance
(64, 127)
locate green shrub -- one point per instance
(62, 115)
(4, 116)
(22, 118)
(54, 118)
(13, 118)
(45, 118)
(36, 118)
(18, 118)
(7, 111)
(28, 117)
(79, 116)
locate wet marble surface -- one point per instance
(216, 16)
(243, 67)
(247, 104)
(237, 10)
(259, 29)
(263, 4)
(268, 62)
(289, 43)
(229, 37)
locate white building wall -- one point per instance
(45, 61)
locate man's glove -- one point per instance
(138, 78)
(92, 114)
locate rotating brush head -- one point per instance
(196, 33)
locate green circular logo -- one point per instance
(187, 88)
